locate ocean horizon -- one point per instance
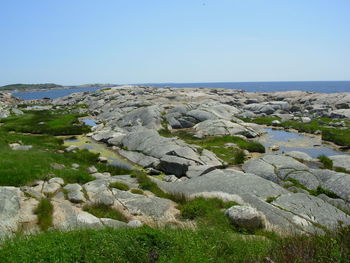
(311, 86)
(266, 86)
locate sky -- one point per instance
(158, 41)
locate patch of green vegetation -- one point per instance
(120, 186)
(330, 247)
(319, 190)
(336, 135)
(104, 211)
(45, 122)
(138, 245)
(270, 199)
(137, 191)
(239, 157)
(201, 207)
(44, 212)
(341, 170)
(263, 120)
(327, 163)
(19, 168)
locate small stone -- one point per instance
(75, 166)
(102, 159)
(71, 148)
(19, 147)
(56, 180)
(92, 169)
(57, 166)
(274, 148)
(305, 120)
(275, 122)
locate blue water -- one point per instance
(313, 86)
(89, 122)
(52, 94)
(285, 136)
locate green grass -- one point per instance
(22, 167)
(327, 163)
(201, 207)
(104, 211)
(44, 212)
(120, 186)
(45, 122)
(336, 135)
(138, 245)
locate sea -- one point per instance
(312, 86)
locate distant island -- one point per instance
(47, 86)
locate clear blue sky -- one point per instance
(130, 41)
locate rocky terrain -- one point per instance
(285, 193)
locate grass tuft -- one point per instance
(104, 211)
(120, 186)
(327, 163)
(44, 212)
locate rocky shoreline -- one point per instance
(288, 193)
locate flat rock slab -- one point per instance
(142, 205)
(313, 209)
(341, 161)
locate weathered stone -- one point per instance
(245, 217)
(75, 193)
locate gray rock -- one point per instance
(57, 180)
(19, 147)
(75, 193)
(67, 217)
(136, 204)
(175, 165)
(313, 209)
(341, 161)
(245, 217)
(139, 158)
(57, 166)
(50, 189)
(222, 127)
(299, 155)
(71, 148)
(92, 169)
(112, 223)
(134, 223)
(99, 192)
(195, 171)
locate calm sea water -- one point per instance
(314, 86)
(52, 94)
